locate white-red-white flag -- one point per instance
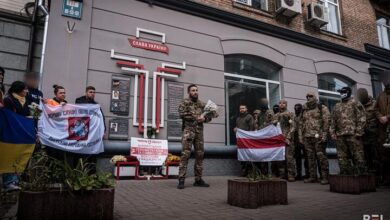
(267, 144)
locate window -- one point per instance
(383, 27)
(257, 4)
(248, 78)
(334, 24)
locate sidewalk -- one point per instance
(159, 199)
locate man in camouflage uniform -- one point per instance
(370, 137)
(300, 151)
(266, 116)
(190, 110)
(347, 128)
(285, 118)
(313, 133)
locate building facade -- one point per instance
(235, 51)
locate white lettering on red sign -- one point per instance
(149, 46)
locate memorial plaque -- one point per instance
(174, 123)
(118, 129)
(120, 95)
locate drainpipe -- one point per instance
(31, 46)
(45, 11)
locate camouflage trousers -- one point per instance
(316, 151)
(191, 137)
(279, 167)
(350, 149)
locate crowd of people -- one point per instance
(21, 95)
(358, 126)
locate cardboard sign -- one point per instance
(149, 152)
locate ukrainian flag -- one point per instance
(17, 141)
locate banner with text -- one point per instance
(73, 128)
(149, 152)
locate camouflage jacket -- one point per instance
(314, 121)
(265, 118)
(372, 122)
(348, 118)
(297, 125)
(189, 111)
(245, 122)
(286, 120)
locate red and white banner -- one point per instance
(149, 152)
(267, 144)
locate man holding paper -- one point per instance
(194, 113)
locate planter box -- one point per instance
(246, 194)
(97, 204)
(352, 184)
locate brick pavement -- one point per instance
(159, 199)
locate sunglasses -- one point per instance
(309, 96)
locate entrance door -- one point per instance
(240, 92)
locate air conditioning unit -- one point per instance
(317, 14)
(244, 2)
(288, 8)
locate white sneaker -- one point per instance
(12, 187)
(387, 145)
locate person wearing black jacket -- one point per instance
(89, 98)
(34, 94)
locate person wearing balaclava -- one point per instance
(347, 129)
(300, 151)
(286, 121)
(370, 137)
(275, 108)
(313, 132)
(266, 116)
(383, 115)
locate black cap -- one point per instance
(345, 90)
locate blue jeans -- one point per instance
(9, 178)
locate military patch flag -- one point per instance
(72, 128)
(17, 141)
(267, 144)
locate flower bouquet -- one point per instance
(35, 111)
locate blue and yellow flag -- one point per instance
(17, 141)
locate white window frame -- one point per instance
(242, 77)
(381, 28)
(249, 3)
(326, 4)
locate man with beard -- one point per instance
(383, 115)
(190, 111)
(244, 122)
(313, 133)
(300, 151)
(285, 118)
(347, 128)
(370, 137)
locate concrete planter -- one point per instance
(253, 194)
(352, 184)
(97, 204)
